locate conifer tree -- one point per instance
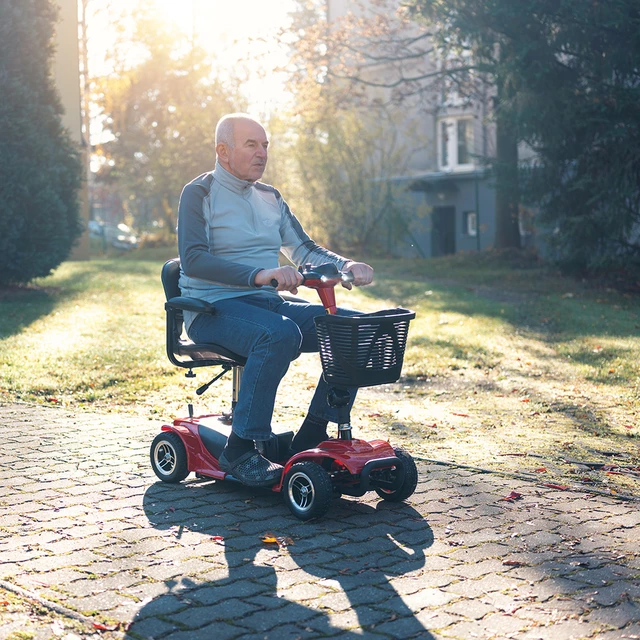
(40, 169)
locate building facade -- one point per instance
(450, 142)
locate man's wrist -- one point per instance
(254, 275)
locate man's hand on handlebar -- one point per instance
(288, 278)
(362, 274)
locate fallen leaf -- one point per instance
(218, 539)
(560, 487)
(512, 497)
(541, 470)
(281, 541)
(525, 400)
(373, 415)
(105, 627)
(462, 415)
(513, 563)
(284, 541)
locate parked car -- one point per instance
(117, 236)
(121, 237)
(96, 229)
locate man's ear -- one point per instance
(222, 151)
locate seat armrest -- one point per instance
(183, 303)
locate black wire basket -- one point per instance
(363, 350)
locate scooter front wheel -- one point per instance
(307, 490)
(169, 457)
(409, 483)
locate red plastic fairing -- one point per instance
(350, 454)
(199, 460)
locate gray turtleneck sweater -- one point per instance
(230, 229)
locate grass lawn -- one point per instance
(509, 367)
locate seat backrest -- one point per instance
(170, 277)
(182, 352)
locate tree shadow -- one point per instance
(353, 552)
(22, 305)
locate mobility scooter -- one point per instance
(355, 351)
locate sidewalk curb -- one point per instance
(47, 604)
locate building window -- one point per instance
(464, 129)
(455, 143)
(444, 144)
(470, 223)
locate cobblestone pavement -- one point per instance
(110, 552)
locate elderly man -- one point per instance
(231, 230)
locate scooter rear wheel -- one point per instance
(307, 490)
(169, 457)
(410, 479)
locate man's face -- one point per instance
(246, 160)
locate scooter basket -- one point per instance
(363, 350)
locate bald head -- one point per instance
(241, 146)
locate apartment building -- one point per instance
(448, 139)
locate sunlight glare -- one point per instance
(241, 35)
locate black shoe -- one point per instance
(252, 469)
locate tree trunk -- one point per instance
(506, 169)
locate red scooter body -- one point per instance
(347, 458)
(311, 478)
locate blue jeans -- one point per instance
(270, 332)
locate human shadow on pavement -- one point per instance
(375, 544)
(352, 553)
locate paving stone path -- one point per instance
(109, 552)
